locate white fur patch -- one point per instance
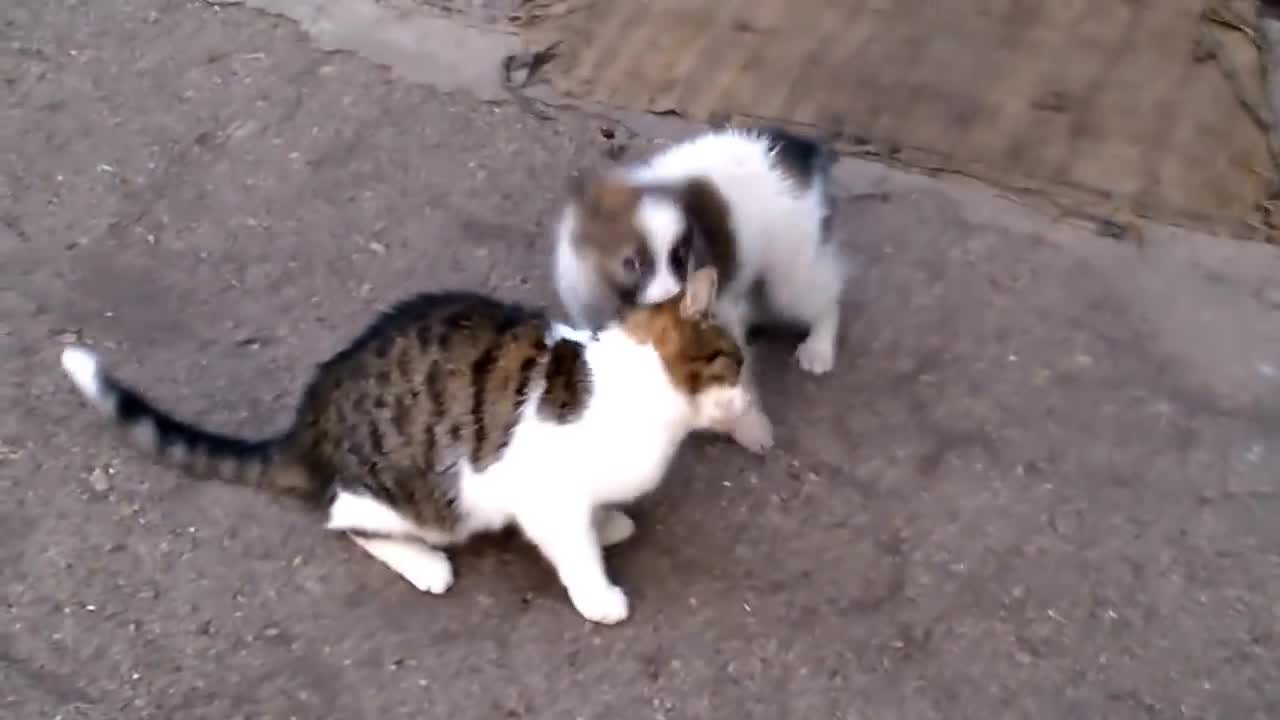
(662, 286)
(662, 223)
(82, 366)
(615, 451)
(560, 331)
(606, 603)
(428, 569)
(364, 513)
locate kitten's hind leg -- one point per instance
(817, 354)
(567, 538)
(810, 291)
(425, 567)
(612, 526)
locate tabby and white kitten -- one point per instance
(455, 414)
(753, 203)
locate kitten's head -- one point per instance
(700, 355)
(640, 239)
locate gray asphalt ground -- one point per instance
(1041, 482)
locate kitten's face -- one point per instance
(639, 240)
(702, 358)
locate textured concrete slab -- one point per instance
(1040, 483)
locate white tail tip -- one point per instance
(81, 365)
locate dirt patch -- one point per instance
(419, 42)
(485, 10)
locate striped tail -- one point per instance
(261, 464)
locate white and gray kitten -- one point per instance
(755, 203)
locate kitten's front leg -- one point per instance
(567, 538)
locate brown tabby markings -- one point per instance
(439, 379)
(568, 383)
(404, 404)
(696, 352)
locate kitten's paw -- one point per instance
(753, 431)
(613, 527)
(430, 573)
(816, 355)
(607, 604)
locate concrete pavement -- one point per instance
(1041, 482)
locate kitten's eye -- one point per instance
(630, 265)
(680, 259)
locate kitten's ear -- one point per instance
(699, 293)
(602, 194)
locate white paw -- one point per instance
(816, 355)
(430, 573)
(606, 604)
(753, 431)
(613, 527)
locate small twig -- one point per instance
(530, 63)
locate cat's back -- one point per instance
(435, 379)
(447, 327)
